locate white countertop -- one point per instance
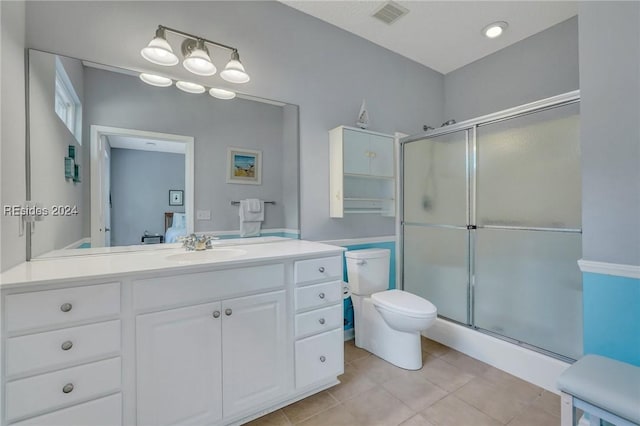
(99, 265)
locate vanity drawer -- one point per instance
(319, 320)
(187, 289)
(37, 394)
(50, 308)
(318, 269)
(101, 412)
(36, 352)
(318, 295)
(319, 358)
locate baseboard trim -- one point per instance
(77, 244)
(349, 334)
(536, 368)
(605, 268)
(356, 241)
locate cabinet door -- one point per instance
(254, 350)
(382, 156)
(179, 366)
(356, 152)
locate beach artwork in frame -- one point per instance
(244, 166)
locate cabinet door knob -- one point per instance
(322, 358)
(67, 345)
(321, 320)
(321, 269)
(67, 388)
(321, 295)
(228, 311)
(216, 314)
(66, 307)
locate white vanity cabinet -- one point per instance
(62, 356)
(145, 342)
(319, 320)
(362, 172)
(179, 366)
(189, 358)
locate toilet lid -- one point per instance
(407, 303)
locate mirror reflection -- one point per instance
(130, 164)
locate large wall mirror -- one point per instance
(118, 162)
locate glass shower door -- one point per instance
(436, 214)
(527, 283)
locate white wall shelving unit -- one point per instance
(362, 172)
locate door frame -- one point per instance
(96, 133)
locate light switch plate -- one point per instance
(203, 215)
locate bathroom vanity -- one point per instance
(160, 337)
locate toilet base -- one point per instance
(376, 336)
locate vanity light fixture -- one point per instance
(234, 71)
(159, 51)
(495, 29)
(196, 55)
(156, 80)
(187, 86)
(196, 58)
(221, 93)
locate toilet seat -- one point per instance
(404, 303)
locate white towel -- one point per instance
(254, 205)
(250, 229)
(247, 215)
(250, 221)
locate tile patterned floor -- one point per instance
(451, 389)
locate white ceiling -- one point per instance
(443, 35)
(144, 144)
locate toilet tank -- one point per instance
(368, 270)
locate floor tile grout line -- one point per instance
(320, 412)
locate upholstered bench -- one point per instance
(604, 388)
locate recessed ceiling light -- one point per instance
(189, 87)
(155, 80)
(495, 29)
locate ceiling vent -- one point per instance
(390, 12)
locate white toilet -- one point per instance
(387, 322)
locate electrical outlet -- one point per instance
(203, 215)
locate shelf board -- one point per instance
(367, 199)
(380, 212)
(353, 175)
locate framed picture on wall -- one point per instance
(176, 197)
(244, 166)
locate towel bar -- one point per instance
(235, 203)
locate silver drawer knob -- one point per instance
(67, 345)
(321, 320)
(66, 307)
(322, 358)
(67, 388)
(321, 269)
(216, 314)
(321, 295)
(228, 311)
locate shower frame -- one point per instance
(471, 126)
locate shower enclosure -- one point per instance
(491, 223)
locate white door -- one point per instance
(179, 366)
(106, 194)
(100, 193)
(356, 152)
(254, 350)
(381, 155)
